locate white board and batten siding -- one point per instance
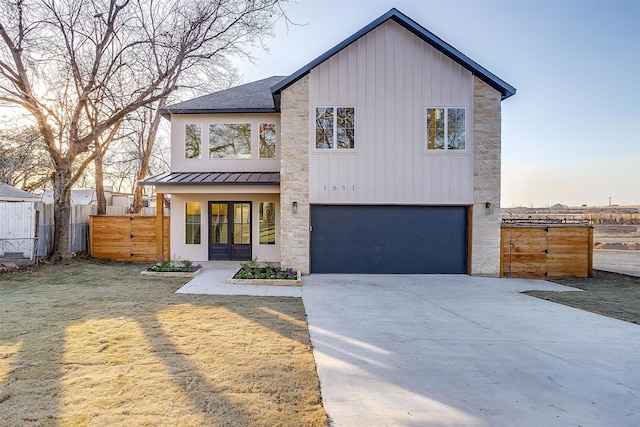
(391, 76)
(17, 229)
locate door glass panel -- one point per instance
(242, 223)
(246, 234)
(219, 230)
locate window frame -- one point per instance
(196, 227)
(275, 139)
(260, 213)
(335, 132)
(445, 148)
(199, 156)
(210, 145)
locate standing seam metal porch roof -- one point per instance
(214, 178)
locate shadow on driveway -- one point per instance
(467, 351)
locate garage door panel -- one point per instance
(388, 239)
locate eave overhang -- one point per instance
(167, 112)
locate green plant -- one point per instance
(253, 270)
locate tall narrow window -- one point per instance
(324, 127)
(455, 128)
(345, 128)
(446, 124)
(335, 127)
(230, 141)
(435, 128)
(192, 141)
(267, 223)
(192, 222)
(267, 140)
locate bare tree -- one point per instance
(23, 161)
(216, 75)
(79, 67)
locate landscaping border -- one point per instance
(171, 273)
(264, 282)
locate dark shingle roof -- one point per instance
(254, 97)
(482, 73)
(214, 178)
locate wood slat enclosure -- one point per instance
(546, 251)
(127, 238)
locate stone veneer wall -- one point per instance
(485, 231)
(294, 176)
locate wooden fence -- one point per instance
(130, 238)
(546, 251)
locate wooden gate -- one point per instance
(541, 251)
(130, 238)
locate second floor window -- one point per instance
(335, 127)
(230, 141)
(267, 140)
(192, 141)
(446, 128)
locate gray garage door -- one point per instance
(388, 239)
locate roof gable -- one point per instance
(482, 73)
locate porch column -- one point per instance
(160, 227)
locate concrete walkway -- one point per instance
(467, 351)
(213, 281)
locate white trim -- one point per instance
(312, 130)
(468, 130)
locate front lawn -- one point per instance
(95, 343)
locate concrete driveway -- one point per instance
(467, 351)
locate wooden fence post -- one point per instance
(160, 227)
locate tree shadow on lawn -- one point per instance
(120, 349)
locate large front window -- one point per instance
(230, 141)
(335, 127)
(192, 223)
(445, 128)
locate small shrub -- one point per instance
(253, 270)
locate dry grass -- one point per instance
(94, 343)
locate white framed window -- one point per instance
(267, 223)
(192, 140)
(192, 223)
(446, 128)
(335, 127)
(267, 140)
(230, 141)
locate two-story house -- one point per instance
(380, 156)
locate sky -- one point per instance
(570, 135)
